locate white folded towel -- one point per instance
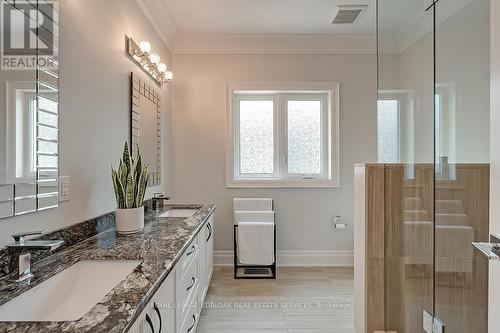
(256, 243)
(254, 216)
(259, 204)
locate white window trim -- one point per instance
(331, 134)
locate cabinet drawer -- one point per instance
(187, 258)
(191, 320)
(187, 288)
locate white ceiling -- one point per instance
(266, 16)
(287, 26)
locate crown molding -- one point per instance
(421, 26)
(241, 44)
(160, 17)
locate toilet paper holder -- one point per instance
(338, 224)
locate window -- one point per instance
(282, 135)
(388, 147)
(305, 137)
(256, 136)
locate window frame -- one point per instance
(281, 93)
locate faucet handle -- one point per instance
(160, 196)
(19, 237)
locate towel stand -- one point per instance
(237, 266)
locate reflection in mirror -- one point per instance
(29, 92)
(146, 128)
(6, 200)
(21, 131)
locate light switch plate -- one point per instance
(64, 188)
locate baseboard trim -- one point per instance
(335, 258)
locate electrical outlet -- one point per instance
(64, 188)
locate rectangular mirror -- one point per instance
(146, 126)
(29, 112)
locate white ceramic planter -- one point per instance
(129, 221)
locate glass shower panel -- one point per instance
(406, 114)
(461, 163)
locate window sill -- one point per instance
(299, 183)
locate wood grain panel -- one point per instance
(400, 248)
(375, 240)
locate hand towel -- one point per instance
(254, 216)
(246, 204)
(256, 243)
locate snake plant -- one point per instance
(130, 180)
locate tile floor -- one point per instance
(301, 300)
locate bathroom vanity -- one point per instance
(165, 274)
(176, 305)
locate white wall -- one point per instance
(198, 154)
(494, 287)
(94, 107)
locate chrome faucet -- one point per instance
(21, 256)
(158, 197)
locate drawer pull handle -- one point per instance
(192, 285)
(209, 226)
(148, 320)
(155, 306)
(192, 326)
(190, 253)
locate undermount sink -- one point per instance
(70, 294)
(179, 212)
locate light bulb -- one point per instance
(162, 68)
(145, 46)
(155, 59)
(169, 75)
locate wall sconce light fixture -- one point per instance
(149, 62)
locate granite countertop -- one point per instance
(159, 247)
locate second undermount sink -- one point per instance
(179, 212)
(70, 294)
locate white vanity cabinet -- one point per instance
(159, 314)
(207, 253)
(177, 304)
(210, 249)
(188, 285)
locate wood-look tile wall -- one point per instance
(375, 240)
(400, 232)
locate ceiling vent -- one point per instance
(348, 14)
